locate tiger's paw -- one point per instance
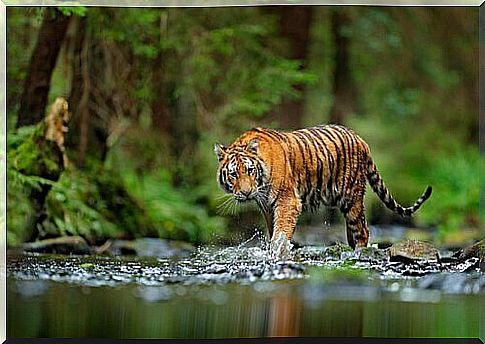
(280, 247)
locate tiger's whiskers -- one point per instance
(229, 205)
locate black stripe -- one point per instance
(278, 137)
(344, 164)
(302, 153)
(320, 165)
(352, 222)
(293, 151)
(290, 152)
(283, 138)
(348, 152)
(355, 153)
(316, 189)
(328, 158)
(221, 180)
(335, 164)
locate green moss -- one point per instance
(344, 274)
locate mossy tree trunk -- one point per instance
(42, 155)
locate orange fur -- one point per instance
(286, 172)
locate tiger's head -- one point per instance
(241, 172)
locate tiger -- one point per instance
(286, 173)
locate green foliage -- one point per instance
(32, 155)
(19, 211)
(176, 212)
(75, 207)
(456, 193)
(137, 28)
(223, 70)
(79, 11)
(21, 152)
(239, 67)
(92, 203)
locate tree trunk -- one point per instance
(160, 104)
(295, 23)
(43, 60)
(344, 90)
(91, 103)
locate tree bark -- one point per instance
(42, 63)
(159, 104)
(295, 24)
(90, 99)
(344, 90)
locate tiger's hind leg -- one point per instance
(357, 229)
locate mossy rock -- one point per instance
(372, 253)
(413, 250)
(337, 250)
(476, 250)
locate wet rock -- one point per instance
(372, 254)
(413, 250)
(476, 250)
(150, 247)
(61, 245)
(309, 253)
(120, 248)
(336, 265)
(337, 250)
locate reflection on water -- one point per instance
(262, 309)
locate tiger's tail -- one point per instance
(385, 196)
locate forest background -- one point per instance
(151, 90)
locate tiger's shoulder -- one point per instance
(262, 135)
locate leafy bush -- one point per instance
(75, 207)
(174, 211)
(456, 192)
(19, 207)
(176, 198)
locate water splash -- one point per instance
(280, 248)
(249, 262)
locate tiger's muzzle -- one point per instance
(244, 196)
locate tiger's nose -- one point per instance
(246, 193)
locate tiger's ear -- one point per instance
(220, 151)
(253, 146)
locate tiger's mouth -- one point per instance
(243, 196)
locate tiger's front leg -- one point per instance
(268, 217)
(287, 209)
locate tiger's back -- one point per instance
(305, 168)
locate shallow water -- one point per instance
(242, 292)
